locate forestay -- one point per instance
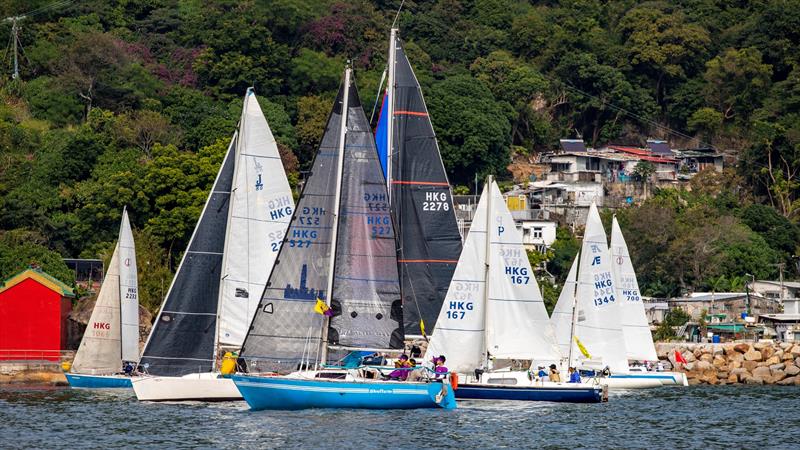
(635, 329)
(261, 207)
(128, 292)
(99, 352)
(598, 325)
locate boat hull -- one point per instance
(578, 393)
(649, 379)
(207, 387)
(630, 381)
(77, 380)
(284, 393)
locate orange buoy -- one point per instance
(454, 380)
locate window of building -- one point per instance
(537, 232)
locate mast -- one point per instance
(390, 112)
(574, 309)
(336, 205)
(487, 275)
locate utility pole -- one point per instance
(14, 42)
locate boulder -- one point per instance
(777, 375)
(761, 345)
(741, 348)
(762, 372)
(787, 356)
(753, 355)
(795, 350)
(689, 356)
(785, 345)
(767, 352)
(728, 349)
(750, 365)
(703, 366)
(719, 361)
(735, 364)
(773, 360)
(753, 380)
(708, 357)
(698, 352)
(788, 381)
(791, 370)
(736, 356)
(717, 350)
(688, 367)
(797, 361)
(732, 378)
(779, 366)
(709, 378)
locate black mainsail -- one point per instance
(182, 339)
(429, 242)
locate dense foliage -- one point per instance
(133, 102)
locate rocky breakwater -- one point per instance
(734, 363)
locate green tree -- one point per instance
(737, 80)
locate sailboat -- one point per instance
(639, 344)
(586, 318)
(494, 311)
(421, 201)
(215, 291)
(111, 339)
(342, 250)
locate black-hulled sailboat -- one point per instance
(335, 287)
(429, 242)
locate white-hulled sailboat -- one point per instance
(216, 289)
(495, 311)
(111, 339)
(586, 318)
(639, 344)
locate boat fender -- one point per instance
(454, 380)
(66, 365)
(228, 366)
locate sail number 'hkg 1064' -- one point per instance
(436, 201)
(462, 300)
(603, 289)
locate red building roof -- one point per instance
(643, 154)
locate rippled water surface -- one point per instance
(694, 417)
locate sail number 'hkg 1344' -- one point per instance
(603, 289)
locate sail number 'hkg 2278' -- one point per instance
(436, 201)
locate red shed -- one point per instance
(33, 316)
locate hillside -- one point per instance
(133, 103)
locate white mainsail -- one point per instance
(597, 317)
(635, 329)
(517, 323)
(261, 207)
(561, 319)
(128, 291)
(99, 352)
(511, 321)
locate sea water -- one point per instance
(695, 417)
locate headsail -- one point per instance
(638, 339)
(128, 291)
(99, 352)
(182, 338)
(598, 325)
(517, 324)
(428, 238)
(460, 329)
(261, 206)
(561, 318)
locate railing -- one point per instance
(36, 355)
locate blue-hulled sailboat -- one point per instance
(111, 339)
(340, 247)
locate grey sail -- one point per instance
(182, 339)
(366, 296)
(285, 330)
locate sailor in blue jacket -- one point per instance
(574, 376)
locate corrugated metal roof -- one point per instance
(41, 277)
